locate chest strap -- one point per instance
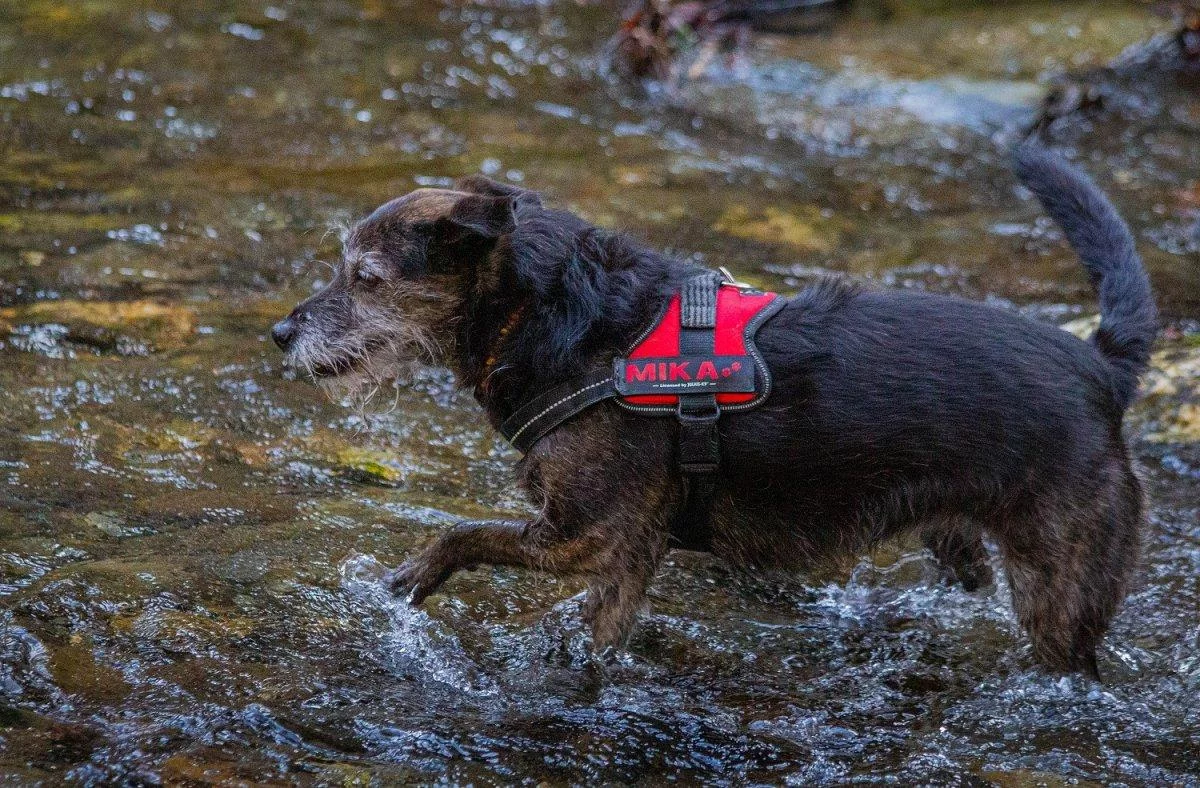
(546, 411)
(699, 453)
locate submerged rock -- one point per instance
(124, 327)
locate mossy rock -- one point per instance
(1170, 400)
(371, 467)
(129, 327)
(50, 223)
(804, 230)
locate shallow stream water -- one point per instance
(189, 543)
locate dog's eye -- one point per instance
(367, 278)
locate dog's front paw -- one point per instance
(415, 580)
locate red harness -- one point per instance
(697, 361)
(698, 357)
(657, 370)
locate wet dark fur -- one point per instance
(891, 411)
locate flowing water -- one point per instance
(189, 543)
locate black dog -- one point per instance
(890, 411)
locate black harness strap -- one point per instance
(548, 410)
(699, 442)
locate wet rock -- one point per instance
(1170, 406)
(197, 769)
(347, 775)
(23, 662)
(1182, 425)
(76, 670)
(1082, 327)
(126, 327)
(656, 32)
(31, 257)
(238, 452)
(1164, 55)
(1138, 82)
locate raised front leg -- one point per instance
(606, 515)
(520, 543)
(619, 572)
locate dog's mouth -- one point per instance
(329, 367)
(324, 370)
(333, 369)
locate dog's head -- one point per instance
(399, 287)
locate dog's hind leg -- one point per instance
(1069, 566)
(957, 546)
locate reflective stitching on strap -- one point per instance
(551, 407)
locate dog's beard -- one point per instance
(355, 366)
(361, 386)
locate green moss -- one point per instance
(373, 467)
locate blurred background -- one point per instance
(187, 539)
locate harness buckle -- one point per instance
(731, 281)
(699, 408)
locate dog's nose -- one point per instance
(284, 332)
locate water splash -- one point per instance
(417, 645)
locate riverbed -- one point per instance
(189, 541)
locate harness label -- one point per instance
(684, 375)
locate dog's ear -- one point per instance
(479, 184)
(478, 217)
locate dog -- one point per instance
(891, 412)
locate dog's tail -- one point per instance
(1128, 318)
